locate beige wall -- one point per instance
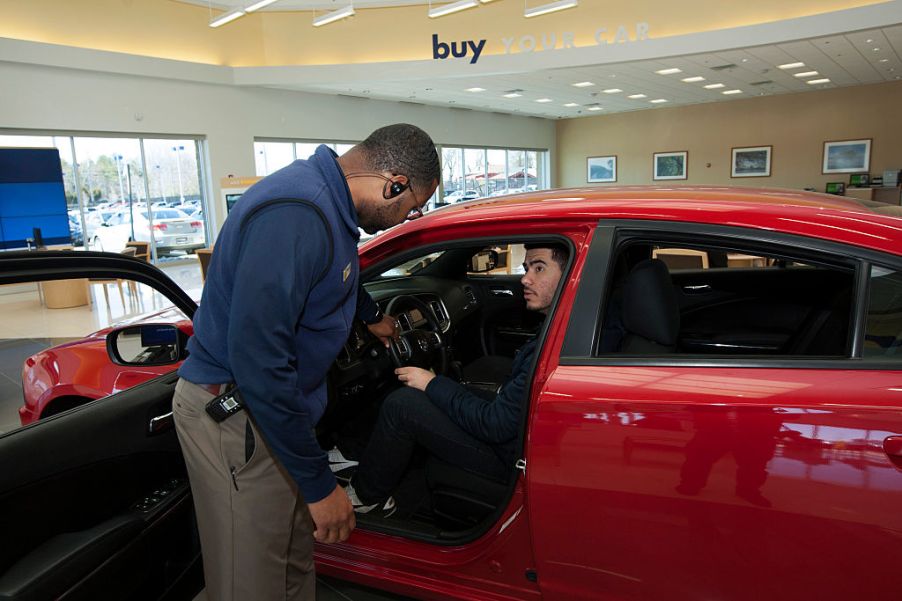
(796, 125)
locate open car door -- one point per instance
(94, 501)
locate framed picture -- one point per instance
(602, 169)
(835, 188)
(847, 156)
(858, 180)
(751, 161)
(671, 165)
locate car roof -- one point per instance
(830, 217)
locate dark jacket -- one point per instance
(279, 301)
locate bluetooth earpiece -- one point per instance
(396, 189)
(391, 189)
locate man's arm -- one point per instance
(267, 303)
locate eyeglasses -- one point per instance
(414, 214)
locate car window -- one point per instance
(410, 267)
(53, 346)
(688, 299)
(509, 262)
(883, 332)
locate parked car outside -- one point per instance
(460, 196)
(173, 231)
(713, 405)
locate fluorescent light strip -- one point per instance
(714, 86)
(447, 9)
(583, 84)
(806, 74)
(259, 5)
(544, 9)
(635, 96)
(731, 92)
(571, 104)
(512, 95)
(817, 81)
(658, 100)
(227, 18)
(669, 71)
(791, 66)
(693, 79)
(543, 99)
(594, 108)
(335, 15)
(612, 91)
(475, 90)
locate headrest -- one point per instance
(650, 306)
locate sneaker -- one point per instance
(338, 462)
(387, 509)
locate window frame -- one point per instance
(584, 327)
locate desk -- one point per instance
(740, 260)
(62, 294)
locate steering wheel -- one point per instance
(418, 347)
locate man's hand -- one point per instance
(333, 517)
(386, 329)
(414, 377)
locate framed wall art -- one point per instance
(671, 165)
(751, 161)
(847, 156)
(601, 169)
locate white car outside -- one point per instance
(173, 230)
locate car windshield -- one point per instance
(410, 267)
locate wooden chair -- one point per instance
(203, 256)
(142, 249)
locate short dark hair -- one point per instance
(403, 149)
(559, 251)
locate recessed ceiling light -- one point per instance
(745, 60)
(475, 90)
(543, 99)
(791, 66)
(817, 81)
(612, 91)
(634, 96)
(594, 108)
(693, 79)
(714, 86)
(868, 41)
(669, 71)
(571, 104)
(731, 92)
(805, 74)
(883, 60)
(583, 84)
(512, 93)
(876, 49)
(658, 100)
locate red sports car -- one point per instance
(714, 411)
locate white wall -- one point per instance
(43, 98)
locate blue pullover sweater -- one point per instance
(279, 301)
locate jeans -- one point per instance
(407, 419)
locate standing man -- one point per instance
(279, 301)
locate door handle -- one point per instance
(160, 423)
(501, 292)
(697, 289)
(892, 446)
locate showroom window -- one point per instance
(469, 173)
(272, 155)
(116, 186)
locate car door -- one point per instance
(94, 501)
(676, 473)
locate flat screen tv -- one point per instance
(32, 197)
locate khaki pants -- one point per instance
(256, 534)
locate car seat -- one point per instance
(651, 313)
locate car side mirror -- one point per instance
(483, 261)
(147, 344)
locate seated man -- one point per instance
(450, 421)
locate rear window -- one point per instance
(883, 333)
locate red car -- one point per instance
(714, 411)
(72, 374)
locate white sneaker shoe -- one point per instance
(388, 508)
(338, 462)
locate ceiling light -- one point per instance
(634, 96)
(883, 60)
(594, 108)
(868, 41)
(693, 79)
(571, 104)
(447, 9)
(227, 17)
(612, 91)
(731, 92)
(335, 15)
(544, 9)
(258, 5)
(876, 49)
(714, 86)
(583, 84)
(512, 95)
(475, 90)
(791, 66)
(658, 100)
(543, 99)
(805, 74)
(817, 81)
(669, 71)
